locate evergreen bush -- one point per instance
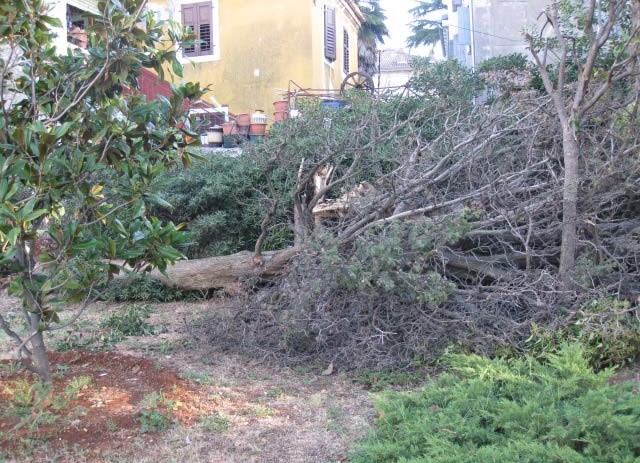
(491, 410)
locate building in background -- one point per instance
(248, 51)
(475, 30)
(394, 68)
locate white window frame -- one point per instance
(215, 36)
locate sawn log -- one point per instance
(224, 271)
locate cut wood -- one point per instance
(223, 271)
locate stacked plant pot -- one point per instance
(258, 126)
(230, 136)
(243, 122)
(281, 109)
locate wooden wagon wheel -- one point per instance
(357, 80)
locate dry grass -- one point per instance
(237, 409)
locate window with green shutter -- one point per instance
(197, 20)
(330, 33)
(345, 51)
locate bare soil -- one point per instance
(218, 407)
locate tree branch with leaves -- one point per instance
(81, 154)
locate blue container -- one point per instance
(335, 104)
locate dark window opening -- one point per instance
(77, 24)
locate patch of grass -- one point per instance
(29, 404)
(335, 415)
(156, 413)
(502, 411)
(77, 384)
(25, 396)
(260, 411)
(110, 425)
(74, 340)
(275, 392)
(196, 377)
(9, 368)
(165, 347)
(215, 423)
(609, 330)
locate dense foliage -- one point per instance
(426, 27)
(81, 158)
(607, 328)
(495, 411)
(222, 199)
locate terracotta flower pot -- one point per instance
(243, 119)
(280, 116)
(257, 129)
(282, 105)
(229, 128)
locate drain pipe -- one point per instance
(473, 37)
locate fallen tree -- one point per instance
(224, 271)
(407, 237)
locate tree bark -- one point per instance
(569, 202)
(38, 349)
(224, 271)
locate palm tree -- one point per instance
(372, 31)
(425, 31)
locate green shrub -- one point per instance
(131, 321)
(142, 288)
(504, 412)
(221, 199)
(609, 330)
(512, 62)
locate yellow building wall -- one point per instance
(259, 52)
(329, 75)
(265, 44)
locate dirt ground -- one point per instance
(171, 397)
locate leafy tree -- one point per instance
(372, 32)
(447, 82)
(425, 31)
(80, 160)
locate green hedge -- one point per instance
(505, 412)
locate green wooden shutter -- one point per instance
(329, 33)
(345, 52)
(189, 23)
(205, 28)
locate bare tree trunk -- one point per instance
(571, 151)
(38, 349)
(299, 227)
